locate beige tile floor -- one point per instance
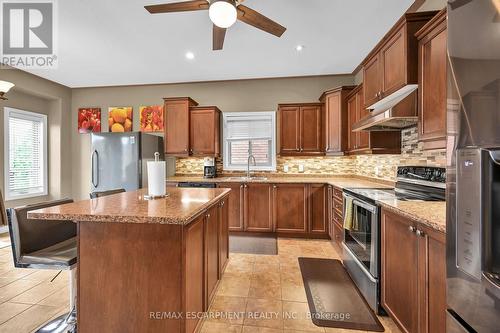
(253, 284)
(256, 284)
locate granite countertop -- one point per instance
(181, 206)
(428, 213)
(338, 181)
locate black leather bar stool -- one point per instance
(97, 194)
(46, 245)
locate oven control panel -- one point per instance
(430, 174)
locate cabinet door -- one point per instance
(194, 298)
(234, 205)
(362, 112)
(329, 210)
(258, 207)
(338, 236)
(333, 124)
(290, 208)
(371, 81)
(290, 130)
(202, 132)
(399, 270)
(393, 63)
(351, 111)
(211, 253)
(223, 216)
(432, 90)
(432, 280)
(177, 128)
(310, 129)
(318, 221)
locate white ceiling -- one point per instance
(117, 42)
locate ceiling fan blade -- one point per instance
(250, 16)
(218, 37)
(185, 6)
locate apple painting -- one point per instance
(89, 120)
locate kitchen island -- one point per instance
(147, 265)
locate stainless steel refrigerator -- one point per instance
(473, 171)
(119, 159)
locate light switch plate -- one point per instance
(285, 168)
(301, 167)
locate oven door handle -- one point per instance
(356, 202)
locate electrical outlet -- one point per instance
(285, 168)
(301, 167)
(377, 171)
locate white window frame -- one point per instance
(33, 116)
(225, 142)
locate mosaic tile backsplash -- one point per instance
(373, 166)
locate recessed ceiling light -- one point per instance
(189, 55)
(299, 48)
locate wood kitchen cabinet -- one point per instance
(177, 125)
(194, 270)
(235, 206)
(258, 207)
(204, 131)
(191, 130)
(300, 129)
(432, 81)
(223, 215)
(290, 208)
(392, 64)
(337, 221)
(368, 142)
(335, 120)
(318, 212)
(413, 274)
(211, 253)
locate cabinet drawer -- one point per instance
(338, 218)
(338, 206)
(337, 194)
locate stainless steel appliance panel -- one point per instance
(115, 161)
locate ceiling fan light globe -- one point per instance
(222, 13)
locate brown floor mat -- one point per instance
(334, 300)
(265, 244)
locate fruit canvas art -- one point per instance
(151, 118)
(120, 119)
(89, 120)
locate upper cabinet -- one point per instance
(335, 120)
(364, 142)
(300, 129)
(432, 78)
(191, 130)
(393, 63)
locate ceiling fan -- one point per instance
(223, 14)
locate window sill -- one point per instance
(25, 196)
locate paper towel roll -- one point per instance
(156, 178)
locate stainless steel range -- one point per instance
(361, 242)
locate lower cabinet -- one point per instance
(413, 274)
(258, 207)
(194, 270)
(318, 209)
(206, 251)
(290, 208)
(223, 216)
(235, 206)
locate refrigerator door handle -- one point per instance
(96, 154)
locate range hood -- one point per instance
(392, 113)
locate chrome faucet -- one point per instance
(248, 164)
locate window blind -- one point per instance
(26, 147)
(249, 133)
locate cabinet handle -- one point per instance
(274, 186)
(241, 186)
(297, 149)
(412, 228)
(208, 216)
(186, 150)
(420, 233)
